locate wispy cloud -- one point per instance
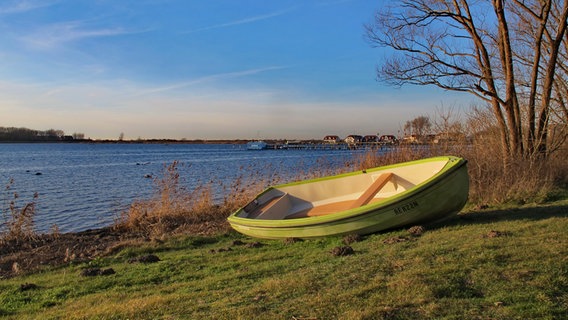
(21, 6)
(332, 2)
(244, 21)
(51, 36)
(215, 77)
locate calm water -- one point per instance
(85, 186)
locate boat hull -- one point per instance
(256, 145)
(443, 195)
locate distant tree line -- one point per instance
(30, 135)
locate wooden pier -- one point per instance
(324, 146)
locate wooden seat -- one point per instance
(372, 190)
(365, 198)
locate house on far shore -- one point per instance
(353, 139)
(388, 139)
(370, 138)
(331, 139)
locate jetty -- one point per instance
(308, 145)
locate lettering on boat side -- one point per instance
(407, 207)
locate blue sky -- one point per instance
(219, 69)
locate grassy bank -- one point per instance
(496, 264)
(173, 256)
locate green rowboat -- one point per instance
(359, 202)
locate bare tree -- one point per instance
(419, 126)
(505, 52)
(447, 120)
(55, 133)
(78, 136)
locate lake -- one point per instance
(85, 186)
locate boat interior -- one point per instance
(337, 194)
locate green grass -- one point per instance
(455, 270)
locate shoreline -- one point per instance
(22, 257)
(143, 141)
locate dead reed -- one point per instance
(171, 206)
(525, 181)
(174, 209)
(391, 155)
(18, 220)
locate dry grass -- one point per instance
(532, 180)
(526, 181)
(171, 207)
(174, 209)
(18, 220)
(402, 153)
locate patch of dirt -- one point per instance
(495, 234)
(238, 243)
(395, 240)
(93, 272)
(220, 250)
(342, 251)
(416, 230)
(23, 257)
(352, 238)
(289, 241)
(255, 244)
(28, 286)
(149, 258)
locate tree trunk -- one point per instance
(511, 104)
(542, 133)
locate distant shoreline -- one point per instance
(138, 141)
(156, 141)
